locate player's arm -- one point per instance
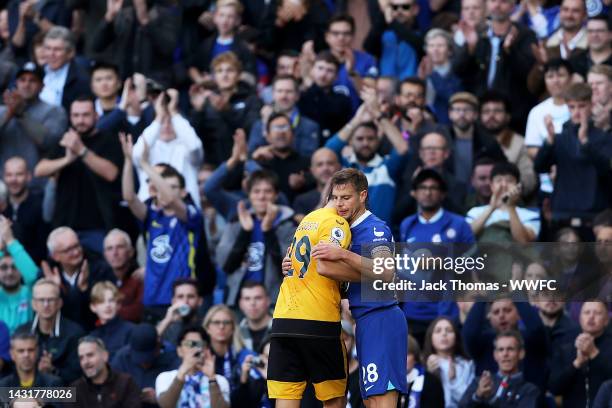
(343, 265)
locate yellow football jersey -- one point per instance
(308, 302)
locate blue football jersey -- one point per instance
(171, 246)
(368, 232)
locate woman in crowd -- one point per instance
(444, 356)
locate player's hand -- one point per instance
(326, 251)
(286, 266)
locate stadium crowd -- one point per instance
(156, 157)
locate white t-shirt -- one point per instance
(529, 218)
(536, 134)
(164, 380)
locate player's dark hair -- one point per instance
(351, 176)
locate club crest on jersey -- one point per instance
(378, 234)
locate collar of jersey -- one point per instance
(359, 220)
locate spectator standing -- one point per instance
(143, 359)
(581, 153)
(57, 336)
(64, 79)
(507, 387)
(119, 254)
(382, 172)
(599, 50)
(194, 382)
(87, 164)
(444, 356)
(110, 328)
(183, 311)
(481, 183)
(173, 226)
(100, 385)
(255, 305)
(252, 246)
(17, 276)
(75, 274)
(170, 139)
(285, 96)
(25, 114)
(24, 208)
(24, 353)
(579, 368)
(495, 119)
(599, 79)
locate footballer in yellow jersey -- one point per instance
(306, 345)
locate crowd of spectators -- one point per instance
(156, 157)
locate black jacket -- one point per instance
(40, 380)
(62, 344)
(203, 56)
(571, 383)
(118, 391)
(216, 128)
(582, 185)
(77, 84)
(511, 72)
(518, 393)
(330, 109)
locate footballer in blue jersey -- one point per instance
(172, 226)
(381, 330)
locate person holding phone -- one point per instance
(194, 383)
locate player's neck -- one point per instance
(358, 214)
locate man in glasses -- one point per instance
(431, 223)
(57, 335)
(75, 274)
(194, 383)
(395, 41)
(101, 385)
(281, 158)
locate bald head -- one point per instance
(323, 164)
(16, 176)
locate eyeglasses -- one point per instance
(221, 322)
(432, 148)
(71, 248)
(43, 301)
(463, 110)
(192, 343)
(7, 267)
(428, 188)
(280, 128)
(397, 7)
(341, 33)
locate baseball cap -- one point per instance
(143, 343)
(464, 97)
(429, 174)
(32, 68)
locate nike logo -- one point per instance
(378, 234)
(368, 388)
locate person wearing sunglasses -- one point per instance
(194, 383)
(395, 41)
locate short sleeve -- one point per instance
(335, 230)
(163, 382)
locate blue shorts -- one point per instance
(382, 348)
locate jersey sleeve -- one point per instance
(381, 239)
(335, 230)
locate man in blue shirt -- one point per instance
(382, 172)
(172, 226)
(431, 223)
(382, 356)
